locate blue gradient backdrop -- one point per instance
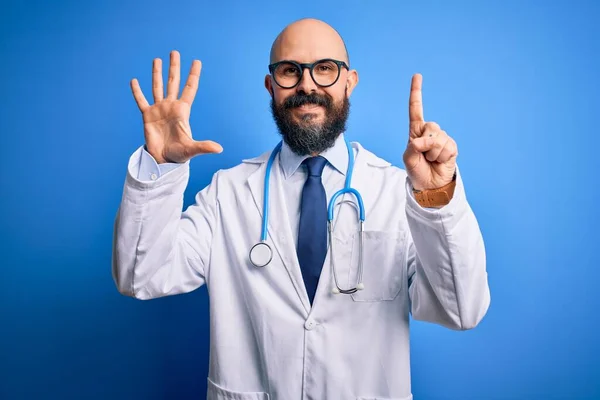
(515, 83)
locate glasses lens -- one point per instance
(325, 73)
(286, 74)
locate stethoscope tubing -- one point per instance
(330, 209)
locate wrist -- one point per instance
(436, 198)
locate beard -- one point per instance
(305, 137)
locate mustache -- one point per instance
(299, 99)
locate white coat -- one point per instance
(266, 340)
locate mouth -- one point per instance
(309, 107)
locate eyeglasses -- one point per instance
(325, 73)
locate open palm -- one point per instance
(166, 123)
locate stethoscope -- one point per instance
(261, 253)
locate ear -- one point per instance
(269, 84)
(351, 81)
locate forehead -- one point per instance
(309, 47)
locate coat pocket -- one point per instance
(216, 392)
(384, 259)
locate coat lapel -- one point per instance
(279, 234)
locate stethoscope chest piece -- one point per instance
(261, 254)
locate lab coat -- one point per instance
(267, 342)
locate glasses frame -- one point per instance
(310, 66)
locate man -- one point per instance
(298, 328)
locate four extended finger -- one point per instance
(139, 97)
(174, 70)
(191, 85)
(157, 81)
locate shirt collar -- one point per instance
(337, 156)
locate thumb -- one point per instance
(415, 149)
(420, 144)
(205, 147)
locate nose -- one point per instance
(306, 84)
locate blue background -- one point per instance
(516, 84)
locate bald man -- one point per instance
(315, 254)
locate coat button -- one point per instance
(310, 325)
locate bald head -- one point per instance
(308, 40)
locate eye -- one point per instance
(287, 70)
(290, 70)
(326, 68)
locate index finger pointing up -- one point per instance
(415, 102)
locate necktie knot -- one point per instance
(315, 165)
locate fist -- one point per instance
(430, 156)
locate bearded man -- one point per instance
(315, 254)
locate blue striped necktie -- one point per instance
(312, 230)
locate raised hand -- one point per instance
(430, 157)
(167, 122)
